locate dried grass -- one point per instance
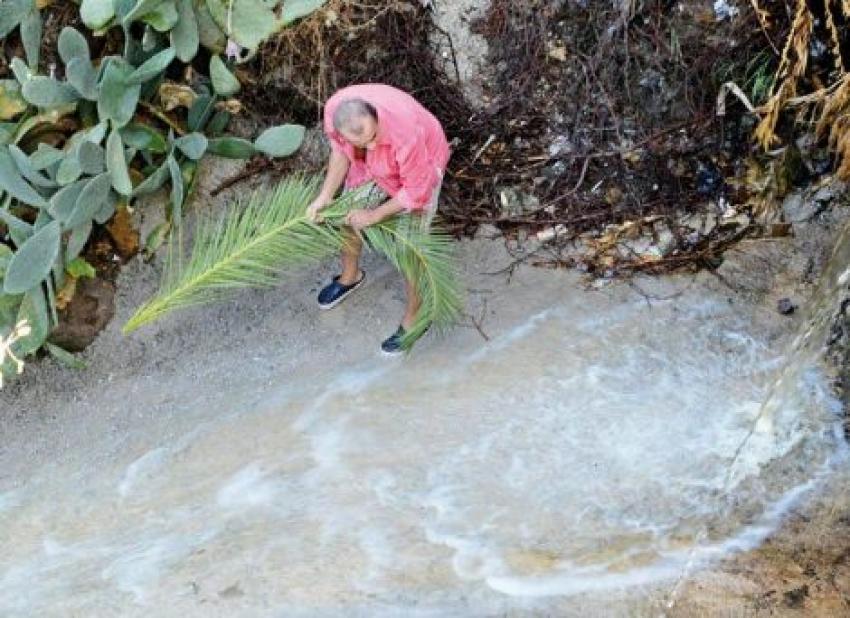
(834, 123)
(830, 105)
(792, 67)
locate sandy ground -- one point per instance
(802, 570)
(162, 380)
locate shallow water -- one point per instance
(582, 451)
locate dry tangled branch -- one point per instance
(595, 113)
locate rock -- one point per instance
(692, 239)
(555, 171)
(560, 145)
(549, 233)
(488, 231)
(665, 245)
(785, 306)
(559, 53)
(639, 247)
(511, 201)
(739, 220)
(703, 223)
(797, 209)
(724, 10)
(88, 313)
(824, 194)
(515, 202)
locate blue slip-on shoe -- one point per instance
(391, 346)
(335, 292)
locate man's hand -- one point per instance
(360, 218)
(315, 206)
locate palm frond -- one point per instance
(248, 246)
(427, 260)
(256, 239)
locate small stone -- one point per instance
(724, 10)
(510, 200)
(798, 209)
(488, 231)
(666, 243)
(692, 239)
(551, 232)
(785, 306)
(640, 247)
(560, 145)
(559, 53)
(555, 171)
(824, 194)
(515, 202)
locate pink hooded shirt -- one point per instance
(410, 151)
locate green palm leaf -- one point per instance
(246, 247)
(256, 239)
(427, 259)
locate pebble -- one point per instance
(785, 306)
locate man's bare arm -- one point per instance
(335, 176)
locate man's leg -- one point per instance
(392, 345)
(351, 258)
(422, 221)
(413, 304)
(350, 278)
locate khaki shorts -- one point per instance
(375, 196)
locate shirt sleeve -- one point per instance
(417, 175)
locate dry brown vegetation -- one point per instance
(601, 117)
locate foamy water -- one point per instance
(571, 454)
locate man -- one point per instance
(380, 135)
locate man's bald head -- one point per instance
(350, 115)
(357, 122)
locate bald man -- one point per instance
(386, 144)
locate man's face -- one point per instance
(363, 133)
